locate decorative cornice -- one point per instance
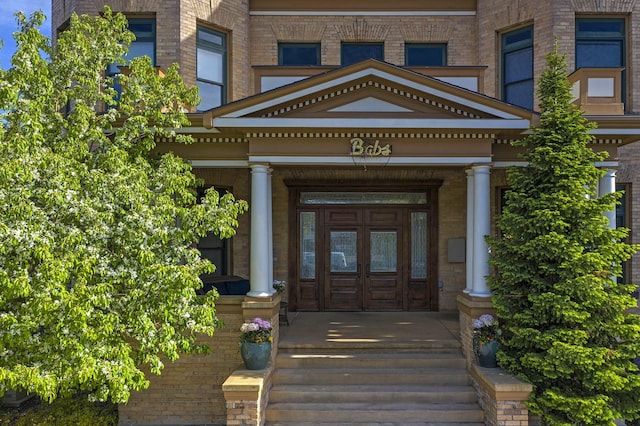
(383, 135)
(210, 140)
(375, 84)
(595, 141)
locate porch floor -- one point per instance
(371, 330)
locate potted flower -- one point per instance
(485, 340)
(255, 343)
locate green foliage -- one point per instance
(99, 270)
(564, 317)
(63, 412)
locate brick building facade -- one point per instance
(298, 126)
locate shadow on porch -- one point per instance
(364, 330)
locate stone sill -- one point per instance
(499, 385)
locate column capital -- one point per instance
(259, 168)
(481, 168)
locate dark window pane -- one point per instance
(519, 36)
(142, 48)
(141, 28)
(211, 95)
(518, 65)
(605, 27)
(357, 52)
(433, 55)
(597, 54)
(215, 249)
(299, 54)
(520, 94)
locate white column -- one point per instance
(259, 251)
(607, 185)
(469, 247)
(481, 228)
(270, 223)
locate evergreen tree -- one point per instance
(98, 270)
(566, 325)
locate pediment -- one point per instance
(370, 105)
(370, 94)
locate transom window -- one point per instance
(352, 53)
(425, 54)
(517, 67)
(299, 54)
(348, 197)
(211, 64)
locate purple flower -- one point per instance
(257, 330)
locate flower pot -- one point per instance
(487, 354)
(255, 355)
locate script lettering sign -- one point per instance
(362, 148)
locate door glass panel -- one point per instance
(384, 251)
(344, 246)
(419, 245)
(307, 245)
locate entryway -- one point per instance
(364, 249)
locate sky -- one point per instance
(8, 23)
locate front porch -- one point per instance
(376, 368)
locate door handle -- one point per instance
(367, 271)
(359, 270)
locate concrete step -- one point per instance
(425, 394)
(369, 360)
(376, 424)
(373, 386)
(399, 413)
(371, 376)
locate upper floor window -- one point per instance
(352, 53)
(299, 54)
(600, 43)
(144, 44)
(517, 67)
(211, 65)
(425, 54)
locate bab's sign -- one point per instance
(360, 147)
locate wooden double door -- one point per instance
(375, 259)
(363, 252)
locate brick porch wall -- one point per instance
(189, 391)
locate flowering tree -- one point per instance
(98, 268)
(564, 315)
